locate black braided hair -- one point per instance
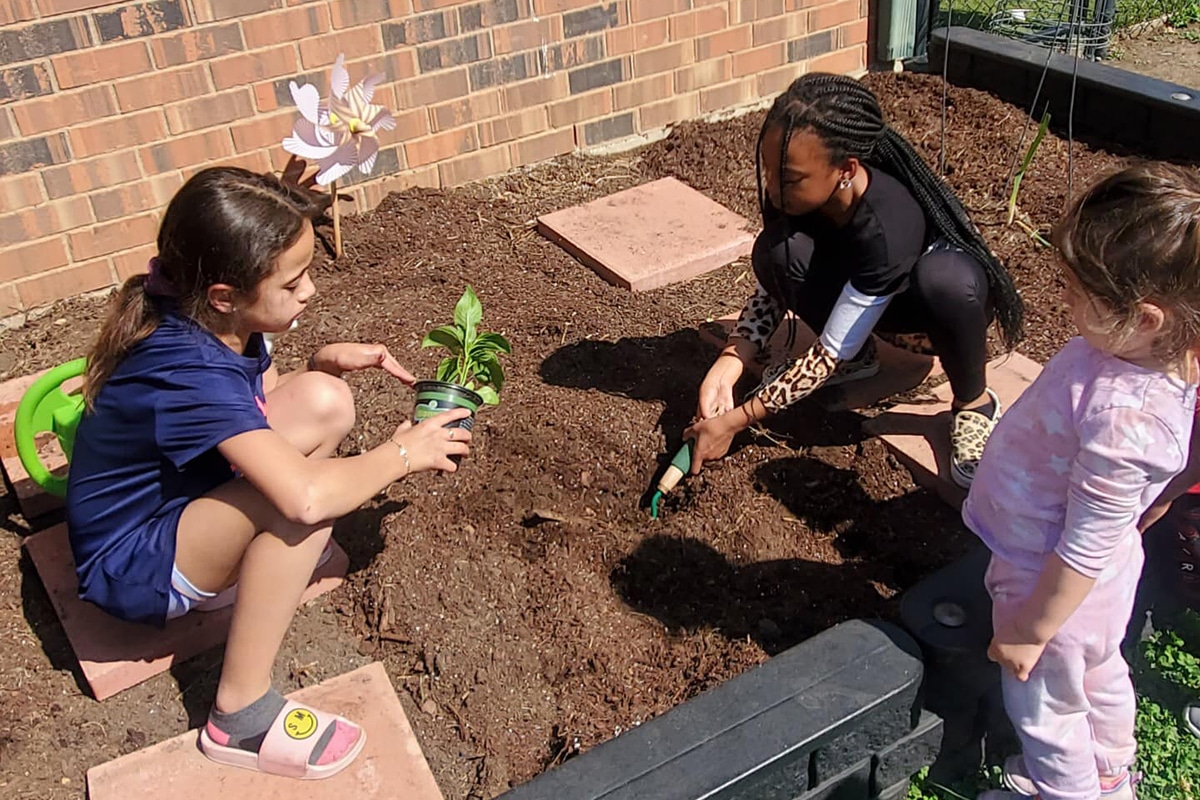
(845, 114)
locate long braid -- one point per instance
(846, 115)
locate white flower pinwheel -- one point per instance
(339, 133)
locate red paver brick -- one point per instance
(390, 765)
(919, 433)
(115, 655)
(651, 235)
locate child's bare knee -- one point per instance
(331, 402)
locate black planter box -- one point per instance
(1153, 117)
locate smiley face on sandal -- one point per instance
(300, 723)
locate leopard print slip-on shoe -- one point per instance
(967, 438)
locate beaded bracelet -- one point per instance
(404, 455)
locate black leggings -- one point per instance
(946, 299)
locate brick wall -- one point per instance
(107, 107)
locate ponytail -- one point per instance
(132, 316)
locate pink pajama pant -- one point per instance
(1075, 714)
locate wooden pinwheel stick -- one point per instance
(337, 220)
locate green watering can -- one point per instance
(46, 407)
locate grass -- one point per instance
(1167, 676)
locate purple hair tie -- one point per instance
(156, 284)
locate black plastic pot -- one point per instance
(434, 397)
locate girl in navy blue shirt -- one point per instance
(199, 468)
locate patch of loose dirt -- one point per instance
(526, 607)
(1169, 55)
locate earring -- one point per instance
(844, 183)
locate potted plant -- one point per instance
(471, 376)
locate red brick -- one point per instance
(160, 88)
(204, 112)
(465, 110)
(441, 146)
(50, 8)
(103, 64)
(187, 151)
(633, 38)
(659, 115)
(197, 45)
(514, 126)
(643, 92)
(261, 65)
(355, 43)
(578, 109)
(30, 259)
(528, 34)
(8, 128)
(10, 302)
(854, 33)
(262, 131)
(210, 10)
(544, 147)
(750, 10)
(728, 41)
(706, 73)
(82, 177)
(842, 62)
(66, 283)
(541, 8)
(760, 59)
(729, 95)
(775, 81)
(133, 262)
(832, 15)
(698, 22)
(110, 237)
(255, 161)
(538, 91)
(410, 125)
(117, 133)
(45, 220)
(21, 191)
(64, 109)
(431, 89)
(663, 59)
(349, 13)
(649, 9)
(484, 164)
(779, 29)
(146, 195)
(295, 24)
(17, 11)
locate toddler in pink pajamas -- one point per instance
(1071, 468)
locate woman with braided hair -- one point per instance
(859, 237)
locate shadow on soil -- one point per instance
(687, 584)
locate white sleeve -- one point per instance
(850, 323)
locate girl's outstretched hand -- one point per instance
(1015, 652)
(342, 357)
(430, 445)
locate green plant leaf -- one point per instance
(495, 372)
(467, 314)
(447, 370)
(446, 336)
(493, 342)
(489, 395)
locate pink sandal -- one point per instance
(289, 744)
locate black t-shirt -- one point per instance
(876, 250)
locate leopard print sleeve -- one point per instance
(787, 383)
(759, 318)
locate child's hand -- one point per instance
(430, 444)
(1015, 652)
(351, 356)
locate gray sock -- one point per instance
(247, 728)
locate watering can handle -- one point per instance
(26, 426)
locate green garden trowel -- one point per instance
(680, 465)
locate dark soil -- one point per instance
(526, 607)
